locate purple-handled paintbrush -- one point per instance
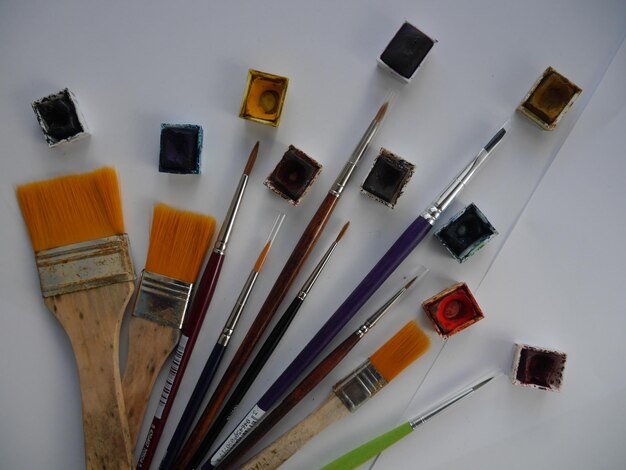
(411, 237)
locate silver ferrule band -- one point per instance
(343, 178)
(229, 219)
(235, 314)
(414, 423)
(358, 387)
(85, 265)
(371, 321)
(162, 299)
(308, 285)
(454, 188)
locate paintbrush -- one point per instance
(348, 395)
(401, 248)
(285, 279)
(314, 377)
(86, 274)
(179, 241)
(371, 449)
(215, 358)
(265, 351)
(191, 327)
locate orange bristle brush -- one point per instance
(179, 241)
(76, 228)
(348, 395)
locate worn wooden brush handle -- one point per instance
(92, 318)
(150, 344)
(289, 443)
(284, 281)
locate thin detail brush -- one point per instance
(266, 351)
(319, 373)
(277, 294)
(86, 274)
(191, 327)
(371, 449)
(214, 360)
(348, 395)
(179, 241)
(402, 247)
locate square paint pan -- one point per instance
(549, 99)
(406, 52)
(466, 233)
(388, 177)
(263, 97)
(452, 310)
(181, 146)
(60, 118)
(538, 368)
(294, 175)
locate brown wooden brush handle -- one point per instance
(150, 344)
(92, 318)
(284, 281)
(289, 443)
(294, 397)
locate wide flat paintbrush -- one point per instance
(371, 449)
(319, 373)
(348, 395)
(76, 228)
(179, 241)
(285, 279)
(265, 352)
(193, 323)
(402, 247)
(215, 358)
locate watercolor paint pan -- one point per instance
(181, 148)
(294, 175)
(60, 118)
(263, 97)
(466, 233)
(538, 368)
(406, 52)
(452, 310)
(388, 177)
(551, 96)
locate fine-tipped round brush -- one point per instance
(76, 228)
(265, 352)
(179, 241)
(371, 449)
(191, 328)
(321, 371)
(215, 358)
(279, 290)
(348, 395)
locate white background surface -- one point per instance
(136, 65)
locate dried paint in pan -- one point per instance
(406, 52)
(549, 99)
(387, 178)
(452, 310)
(466, 233)
(294, 175)
(181, 146)
(538, 367)
(263, 97)
(60, 118)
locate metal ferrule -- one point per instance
(85, 265)
(358, 387)
(414, 423)
(231, 323)
(371, 321)
(447, 196)
(229, 220)
(162, 299)
(342, 180)
(308, 285)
